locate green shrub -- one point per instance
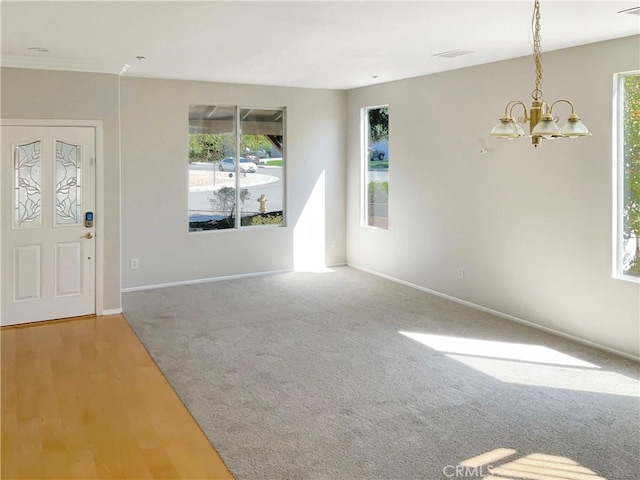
(266, 220)
(224, 200)
(378, 192)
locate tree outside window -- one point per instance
(629, 157)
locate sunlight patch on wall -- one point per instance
(533, 365)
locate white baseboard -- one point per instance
(111, 311)
(341, 264)
(500, 314)
(201, 280)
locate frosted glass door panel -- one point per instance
(27, 181)
(68, 184)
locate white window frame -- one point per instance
(364, 166)
(618, 176)
(237, 122)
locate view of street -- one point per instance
(204, 178)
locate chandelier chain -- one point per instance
(540, 117)
(537, 51)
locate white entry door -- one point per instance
(48, 252)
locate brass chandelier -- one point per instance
(542, 123)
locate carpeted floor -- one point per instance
(344, 375)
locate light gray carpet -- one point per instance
(306, 376)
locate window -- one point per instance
(236, 167)
(375, 136)
(628, 161)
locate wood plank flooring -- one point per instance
(83, 399)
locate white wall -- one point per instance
(532, 228)
(154, 184)
(47, 94)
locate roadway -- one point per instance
(267, 181)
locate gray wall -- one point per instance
(532, 228)
(154, 184)
(46, 94)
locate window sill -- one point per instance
(627, 278)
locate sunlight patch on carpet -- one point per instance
(533, 365)
(535, 466)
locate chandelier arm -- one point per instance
(510, 107)
(562, 101)
(544, 107)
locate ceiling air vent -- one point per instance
(452, 53)
(631, 11)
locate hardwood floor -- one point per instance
(83, 399)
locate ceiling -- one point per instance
(314, 44)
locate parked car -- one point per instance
(265, 153)
(229, 165)
(379, 150)
(376, 155)
(262, 153)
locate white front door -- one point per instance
(48, 252)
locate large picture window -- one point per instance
(236, 167)
(375, 137)
(628, 162)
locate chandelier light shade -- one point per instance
(542, 122)
(507, 128)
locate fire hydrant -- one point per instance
(263, 203)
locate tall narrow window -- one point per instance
(236, 171)
(375, 136)
(628, 148)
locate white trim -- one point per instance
(100, 231)
(339, 264)
(618, 175)
(112, 311)
(628, 278)
(120, 272)
(500, 314)
(203, 280)
(20, 61)
(97, 125)
(362, 198)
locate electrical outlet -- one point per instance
(135, 263)
(460, 273)
(333, 244)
